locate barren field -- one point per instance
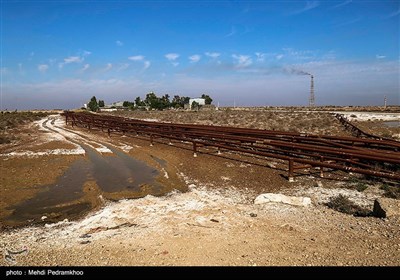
(187, 211)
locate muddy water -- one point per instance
(113, 173)
(55, 202)
(119, 171)
(392, 124)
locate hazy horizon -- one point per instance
(59, 54)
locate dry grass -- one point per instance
(295, 121)
(9, 120)
(391, 191)
(343, 204)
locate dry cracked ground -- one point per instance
(207, 215)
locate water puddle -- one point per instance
(160, 161)
(119, 172)
(55, 202)
(114, 173)
(395, 124)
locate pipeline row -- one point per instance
(356, 131)
(374, 157)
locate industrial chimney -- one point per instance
(312, 97)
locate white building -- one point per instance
(200, 101)
(117, 104)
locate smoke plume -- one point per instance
(297, 72)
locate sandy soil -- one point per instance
(206, 226)
(215, 222)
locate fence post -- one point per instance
(291, 177)
(194, 149)
(321, 168)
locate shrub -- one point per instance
(391, 191)
(343, 204)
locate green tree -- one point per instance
(152, 101)
(126, 103)
(175, 102)
(93, 105)
(185, 100)
(101, 103)
(164, 102)
(195, 106)
(208, 99)
(139, 101)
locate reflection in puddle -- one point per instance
(119, 171)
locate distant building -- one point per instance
(117, 104)
(104, 109)
(200, 101)
(113, 107)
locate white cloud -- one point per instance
(395, 13)
(123, 66)
(348, 22)
(380, 56)
(171, 56)
(52, 61)
(212, 54)
(146, 64)
(72, 59)
(136, 57)
(85, 67)
(108, 67)
(299, 54)
(194, 58)
(43, 67)
(279, 56)
(119, 43)
(233, 32)
(309, 6)
(242, 60)
(360, 83)
(260, 56)
(342, 4)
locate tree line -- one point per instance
(152, 101)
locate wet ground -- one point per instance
(392, 124)
(112, 173)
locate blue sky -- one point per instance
(57, 54)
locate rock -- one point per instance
(44, 218)
(281, 198)
(253, 215)
(386, 207)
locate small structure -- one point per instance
(200, 101)
(119, 104)
(115, 106)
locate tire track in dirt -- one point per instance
(115, 175)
